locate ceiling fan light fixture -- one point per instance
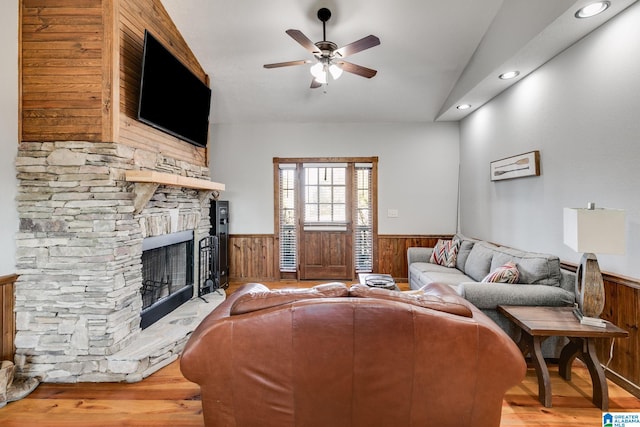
(317, 70)
(322, 79)
(335, 71)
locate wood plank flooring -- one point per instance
(167, 399)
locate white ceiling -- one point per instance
(433, 54)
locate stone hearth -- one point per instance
(79, 250)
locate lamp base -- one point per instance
(589, 321)
(589, 286)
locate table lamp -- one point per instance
(589, 231)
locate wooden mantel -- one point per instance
(147, 182)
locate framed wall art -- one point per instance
(521, 165)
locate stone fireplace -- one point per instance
(79, 295)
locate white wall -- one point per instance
(8, 133)
(582, 111)
(417, 169)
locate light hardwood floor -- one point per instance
(167, 399)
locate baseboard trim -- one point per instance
(621, 381)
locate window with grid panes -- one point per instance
(325, 190)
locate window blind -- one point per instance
(363, 239)
(288, 235)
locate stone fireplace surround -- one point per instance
(79, 248)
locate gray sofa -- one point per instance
(541, 283)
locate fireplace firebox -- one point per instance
(167, 275)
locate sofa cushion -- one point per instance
(506, 273)
(446, 303)
(427, 267)
(264, 298)
(444, 253)
(464, 247)
(478, 262)
(534, 268)
(426, 273)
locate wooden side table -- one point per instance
(539, 323)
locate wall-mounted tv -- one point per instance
(172, 98)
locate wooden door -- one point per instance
(327, 255)
(326, 234)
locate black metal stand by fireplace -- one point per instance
(209, 277)
(167, 275)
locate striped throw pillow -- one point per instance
(507, 273)
(445, 253)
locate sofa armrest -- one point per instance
(190, 359)
(488, 296)
(418, 255)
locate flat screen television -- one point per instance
(172, 99)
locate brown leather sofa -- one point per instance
(333, 356)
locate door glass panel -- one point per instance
(325, 213)
(325, 194)
(325, 191)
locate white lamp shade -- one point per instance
(595, 230)
(335, 71)
(317, 70)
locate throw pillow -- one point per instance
(507, 273)
(445, 253)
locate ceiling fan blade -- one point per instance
(286, 64)
(304, 41)
(357, 46)
(315, 84)
(357, 69)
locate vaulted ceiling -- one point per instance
(433, 56)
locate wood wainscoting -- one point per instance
(7, 317)
(254, 257)
(392, 252)
(622, 308)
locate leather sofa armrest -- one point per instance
(488, 296)
(191, 369)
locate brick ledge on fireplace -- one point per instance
(161, 343)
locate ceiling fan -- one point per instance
(329, 58)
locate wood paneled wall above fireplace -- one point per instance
(80, 67)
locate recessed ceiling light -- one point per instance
(463, 107)
(509, 75)
(592, 9)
